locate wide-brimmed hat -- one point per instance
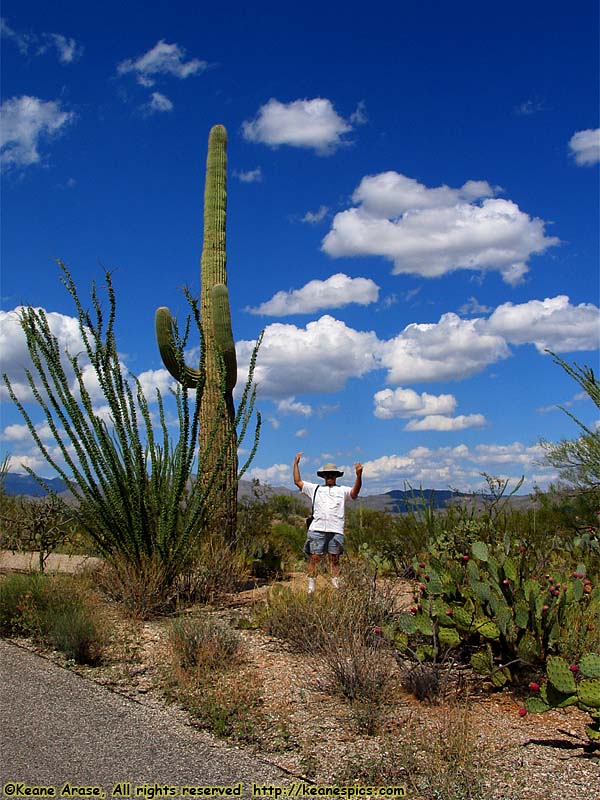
(329, 469)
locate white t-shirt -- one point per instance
(329, 506)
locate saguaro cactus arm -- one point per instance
(189, 377)
(223, 333)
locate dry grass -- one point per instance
(340, 632)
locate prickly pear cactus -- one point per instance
(589, 665)
(218, 369)
(560, 675)
(563, 689)
(588, 692)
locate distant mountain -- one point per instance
(19, 484)
(399, 502)
(15, 483)
(394, 502)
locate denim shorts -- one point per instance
(321, 543)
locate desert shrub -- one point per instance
(288, 508)
(266, 534)
(340, 631)
(38, 524)
(19, 595)
(421, 679)
(205, 677)
(71, 626)
(54, 611)
(278, 552)
(215, 570)
(143, 588)
(201, 643)
(578, 460)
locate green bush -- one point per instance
(19, 596)
(55, 612)
(389, 540)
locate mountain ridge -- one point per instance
(396, 501)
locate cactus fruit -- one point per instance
(218, 370)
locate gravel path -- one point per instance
(56, 727)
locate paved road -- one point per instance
(56, 727)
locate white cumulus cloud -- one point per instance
(457, 467)
(440, 422)
(318, 359)
(337, 291)
(276, 475)
(429, 412)
(314, 217)
(451, 349)
(552, 324)
(249, 176)
(433, 231)
(26, 122)
(585, 147)
(67, 49)
(16, 359)
(290, 405)
(324, 355)
(392, 403)
(162, 59)
(312, 124)
(15, 355)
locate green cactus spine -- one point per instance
(218, 366)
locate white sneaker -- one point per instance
(311, 585)
(335, 582)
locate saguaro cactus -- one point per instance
(218, 367)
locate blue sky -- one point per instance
(412, 214)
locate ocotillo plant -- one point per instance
(217, 432)
(130, 483)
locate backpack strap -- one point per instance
(313, 502)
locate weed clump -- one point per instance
(55, 611)
(203, 643)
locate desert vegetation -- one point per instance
(437, 608)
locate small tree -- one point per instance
(137, 497)
(578, 460)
